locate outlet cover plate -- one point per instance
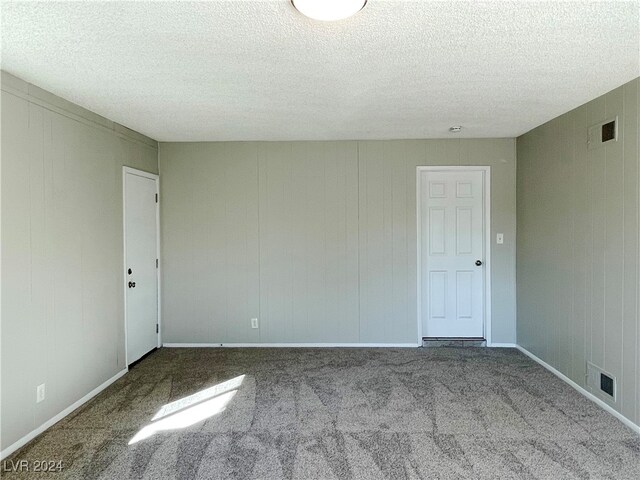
(40, 393)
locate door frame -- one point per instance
(152, 176)
(487, 242)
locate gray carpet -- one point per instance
(441, 413)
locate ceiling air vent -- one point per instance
(603, 133)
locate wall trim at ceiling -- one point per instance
(34, 94)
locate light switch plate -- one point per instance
(254, 323)
(500, 238)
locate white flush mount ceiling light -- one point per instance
(329, 10)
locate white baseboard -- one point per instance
(34, 433)
(586, 393)
(291, 345)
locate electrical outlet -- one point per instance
(40, 393)
(254, 323)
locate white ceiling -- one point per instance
(258, 70)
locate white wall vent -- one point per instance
(603, 133)
(601, 383)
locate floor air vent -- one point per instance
(606, 384)
(601, 383)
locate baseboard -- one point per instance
(34, 433)
(291, 345)
(586, 393)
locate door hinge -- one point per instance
(156, 198)
(156, 263)
(157, 328)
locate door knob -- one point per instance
(478, 262)
(132, 284)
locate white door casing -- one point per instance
(453, 229)
(140, 191)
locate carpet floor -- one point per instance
(440, 413)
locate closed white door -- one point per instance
(141, 277)
(452, 223)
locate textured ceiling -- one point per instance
(258, 70)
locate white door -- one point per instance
(452, 242)
(141, 274)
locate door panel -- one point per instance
(140, 257)
(464, 230)
(437, 231)
(452, 223)
(438, 294)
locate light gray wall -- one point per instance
(316, 239)
(62, 297)
(578, 244)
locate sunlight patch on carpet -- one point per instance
(190, 410)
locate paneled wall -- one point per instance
(315, 239)
(209, 240)
(62, 297)
(578, 244)
(308, 242)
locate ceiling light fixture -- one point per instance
(329, 10)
